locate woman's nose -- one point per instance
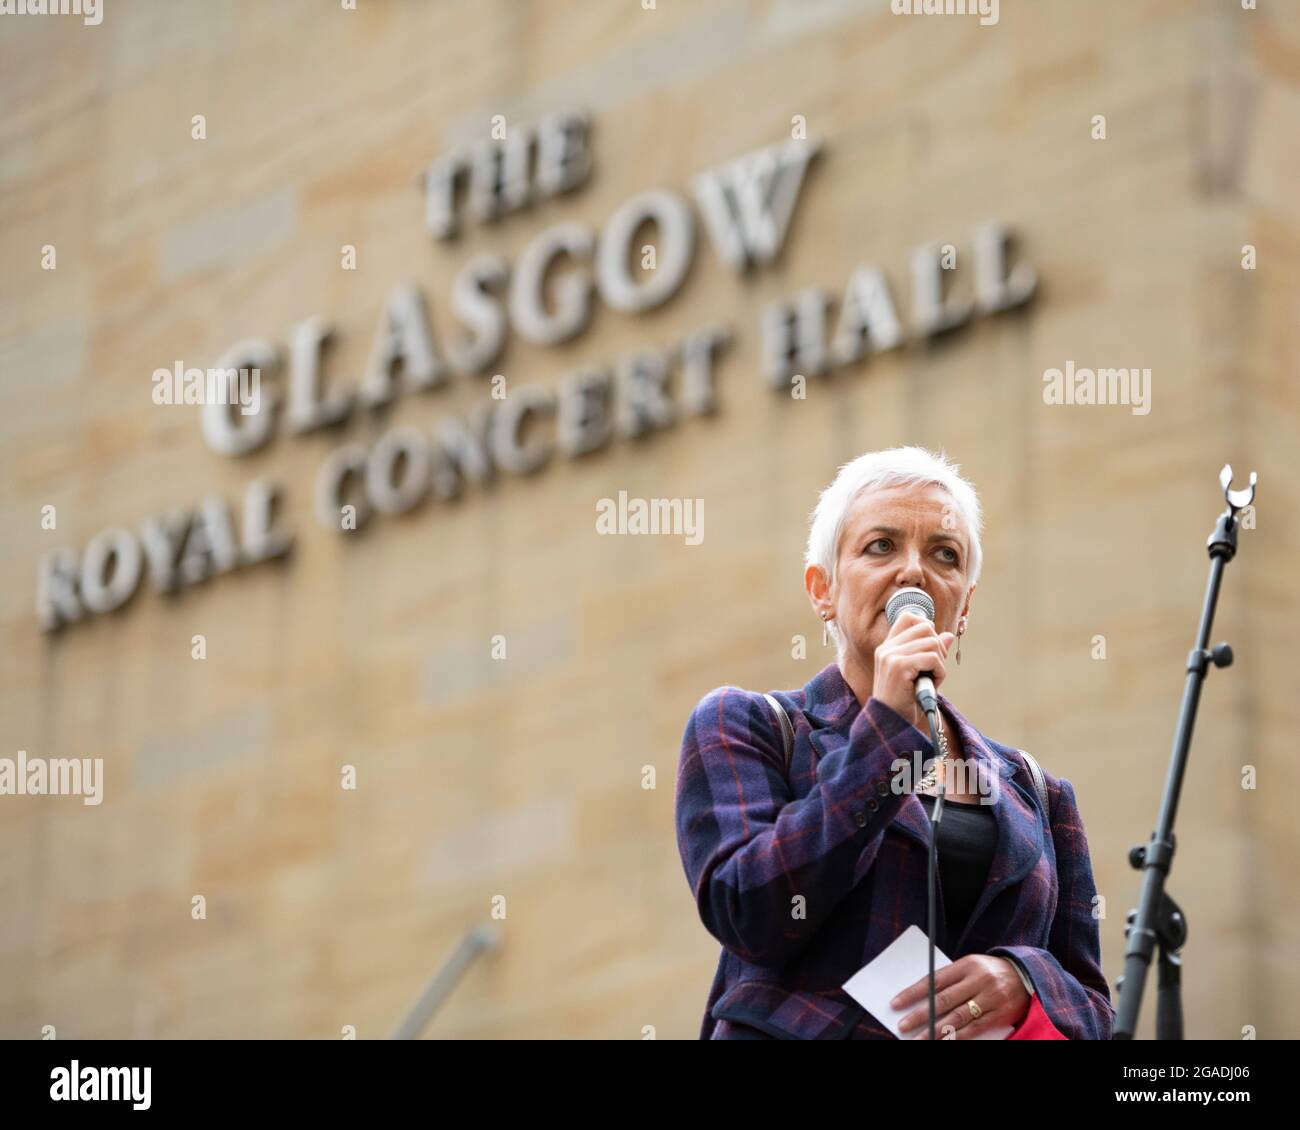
(910, 571)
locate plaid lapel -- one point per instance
(831, 708)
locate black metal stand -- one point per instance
(1159, 922)
(932, 715)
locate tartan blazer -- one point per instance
(836, 833)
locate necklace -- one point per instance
(932, 775)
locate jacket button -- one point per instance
(873, 804)
(882, 788)
(860, 818)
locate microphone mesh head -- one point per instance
(909, 598)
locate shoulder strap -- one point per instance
(1040, 784)
(787, 730)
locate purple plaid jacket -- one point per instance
(856, 850)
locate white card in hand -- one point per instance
(902, 963)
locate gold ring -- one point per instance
(975, 1011)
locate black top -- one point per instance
(968, 837)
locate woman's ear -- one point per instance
(814, 582)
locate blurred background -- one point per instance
(323, 771)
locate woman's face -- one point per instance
(900, 537)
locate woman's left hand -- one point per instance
(991, 982)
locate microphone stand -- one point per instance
(927, 701)
(1159, 922)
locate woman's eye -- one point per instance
(953, 558)
(879, 541)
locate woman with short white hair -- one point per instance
(804, 834)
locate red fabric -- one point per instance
(1037, 1025)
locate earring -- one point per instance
(961, 631)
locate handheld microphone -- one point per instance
(919, 601)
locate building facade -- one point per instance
(411, 410)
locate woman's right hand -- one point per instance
(912, 647)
